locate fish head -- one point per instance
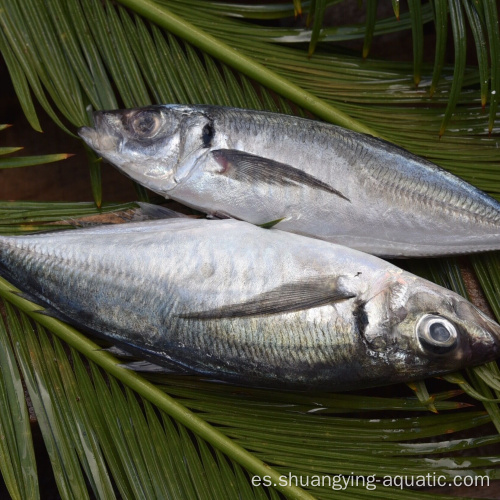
(153, 145)
(421, 329)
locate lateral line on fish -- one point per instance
(449, 207)
(387, 179)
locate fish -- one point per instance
(230, 301)
(312, 178)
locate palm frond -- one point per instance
(477, 28)
(441, 20)
(418, 38)
(477, 19)
(490, 14)
(316, 14)
(371, 18)
(460, 44)
(17, 456)
(17, 217)
(26, 161)
(395, 7)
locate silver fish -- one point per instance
(321, 180)
(229, 300)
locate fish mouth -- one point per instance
(102, 138)
(485, 332)
(89, 136)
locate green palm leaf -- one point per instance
(26, 161)
(111, 433)
(18, 466)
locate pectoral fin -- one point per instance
(289, 297)
(251, 168)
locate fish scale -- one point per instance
(228, 300)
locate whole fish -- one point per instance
(228, 300)
(319, 180)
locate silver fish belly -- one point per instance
(228, 300)
(321, 180)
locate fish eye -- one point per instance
(436, 334)
(145, 124)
